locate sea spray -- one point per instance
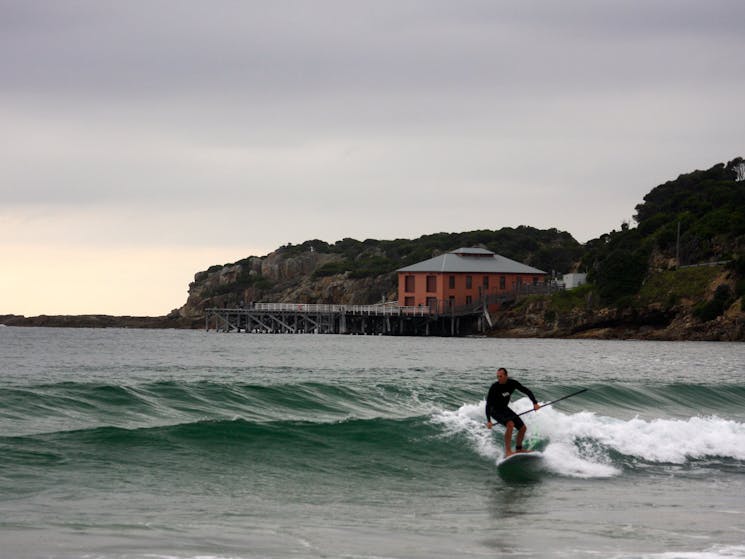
(586, 444)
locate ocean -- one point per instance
(118, 443)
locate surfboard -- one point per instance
(519, 458)
(521, 466)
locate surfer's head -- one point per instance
(502, 375)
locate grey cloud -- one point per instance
(340, 105)
(317, 48)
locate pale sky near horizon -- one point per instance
(142, 142)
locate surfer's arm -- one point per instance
(528, 393)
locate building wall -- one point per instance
(574, 280)
(441, 291)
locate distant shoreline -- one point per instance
(99, 321)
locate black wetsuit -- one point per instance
(498, 399)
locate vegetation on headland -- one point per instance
(680, 273)
(697, 218)
(684, 224)
(549, 250)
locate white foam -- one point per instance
(469, 420)
(717, 552)
(159, 556)
(581, 444)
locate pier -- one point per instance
(441, 318)
(383, 319)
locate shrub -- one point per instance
(564, 301)
(333, 268)
(620, 274)
(670, 286)
(716, 306)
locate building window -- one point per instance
(451, 302)
(451, 282)
(469, 300)
(469, 282)
(535, 280)
(409, 284)
(432, 303)
(502, 282)
(431, 284)
(409, 301)
(486, 283)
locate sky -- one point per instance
(142, 142)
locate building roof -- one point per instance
(471, 260)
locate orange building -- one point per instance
(462, 278)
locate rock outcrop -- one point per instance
(278, 278)
(535, 319)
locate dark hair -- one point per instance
(503, 369)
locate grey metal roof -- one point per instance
(473, 251)
(471, 260)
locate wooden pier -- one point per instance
(384, 319)
(439, 319)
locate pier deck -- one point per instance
(304, 318)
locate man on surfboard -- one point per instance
(497, 406)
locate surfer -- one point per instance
(497, 407)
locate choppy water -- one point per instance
(160, 444)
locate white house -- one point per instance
(574, 280)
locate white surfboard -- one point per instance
(521, 458)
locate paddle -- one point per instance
(557, 400)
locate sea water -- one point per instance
(188, 444)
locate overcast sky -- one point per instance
(141, 142)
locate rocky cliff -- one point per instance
(281, 278)
(666, 318)
(644, 323)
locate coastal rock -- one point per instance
(650, 322)
(279, 278)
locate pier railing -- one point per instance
(294, 318)
(314, 308)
